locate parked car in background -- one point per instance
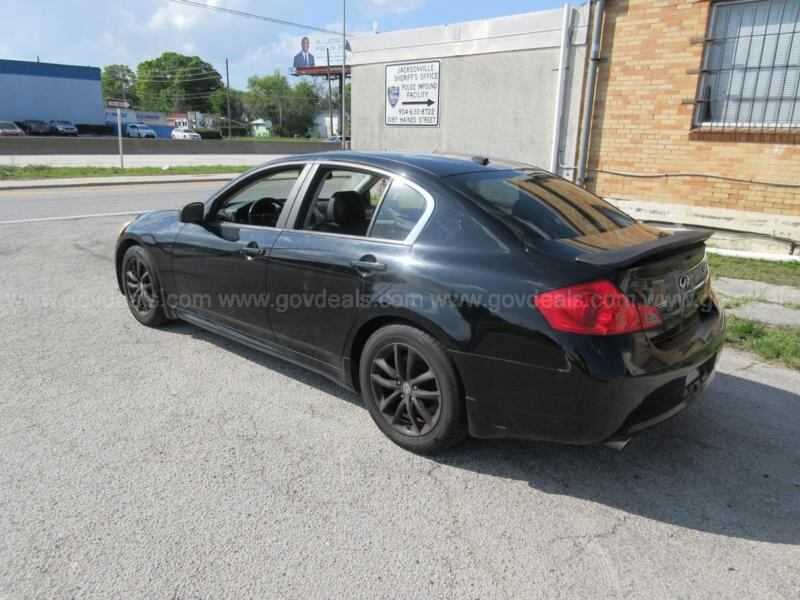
(185, 133)
(35, 127)
(337, 138)
(63, 128)
(140, 130)
(10, 129)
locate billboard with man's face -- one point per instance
(304, 59)
(317, 54)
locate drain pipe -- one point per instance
(591, 79)
(560, 85)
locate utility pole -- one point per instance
(344, 78)
(332, 131)
(228, 94)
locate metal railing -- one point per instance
(750, 75)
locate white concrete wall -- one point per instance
(497, 87)
(47, 98)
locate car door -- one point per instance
(219, 267)
(321, 277)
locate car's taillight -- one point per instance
(595, 308)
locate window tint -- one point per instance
(538, 205)
(342, 201)
(400, 211)
(261, 202)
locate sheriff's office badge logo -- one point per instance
(394, 94)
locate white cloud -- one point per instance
(376, 8)
(183, 18)
(172, 16)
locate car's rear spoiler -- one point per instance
(632, 255)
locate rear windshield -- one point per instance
(538, 205)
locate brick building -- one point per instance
(705, 92)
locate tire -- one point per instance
(422, 410)
(142, 287)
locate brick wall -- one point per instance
(641, 124)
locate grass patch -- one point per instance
(779, 273)
(45, 172)
(773, 343)
(730, 302)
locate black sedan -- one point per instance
(457, 296)
(35, 127)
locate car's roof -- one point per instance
(438, 165)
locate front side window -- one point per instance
(750, 76)
(260, 202)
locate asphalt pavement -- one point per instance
(170, 463)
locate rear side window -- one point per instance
(398, 214)
(539, 205)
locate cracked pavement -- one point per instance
(174, 464)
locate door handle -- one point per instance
(368, 265)
(251, 252)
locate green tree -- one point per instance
(303, 106)
(335, 98)
(173, 82)
(119, 81)
(291, 110)
(219, 103)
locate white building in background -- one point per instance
(324, 125)
(47, 91)
(507, 87)
(261, 128)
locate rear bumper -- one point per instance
(507, 399)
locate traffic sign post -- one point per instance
(119, 105)
(119, 138)
(412, 94)
(116, 103)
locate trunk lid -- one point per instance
(653, 267)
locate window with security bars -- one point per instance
(750, 76)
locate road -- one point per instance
(170, 463)
(135, 160)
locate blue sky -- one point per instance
(99, 32)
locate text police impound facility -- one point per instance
(412, 94)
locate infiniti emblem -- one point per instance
(684, 281)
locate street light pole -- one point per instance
(344, 78)
(228, 94)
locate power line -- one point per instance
(205, 67)
(177, 79)
(240, 13)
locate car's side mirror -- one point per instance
(193, 212)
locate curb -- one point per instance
(754, 255)
(120, 180)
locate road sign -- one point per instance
(112, 103)
(412, 94)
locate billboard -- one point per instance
(315, 54)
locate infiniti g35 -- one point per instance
(456, 296)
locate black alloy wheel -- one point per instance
(140, 282)
(412, 390)
(140, 286)
(406, 389)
